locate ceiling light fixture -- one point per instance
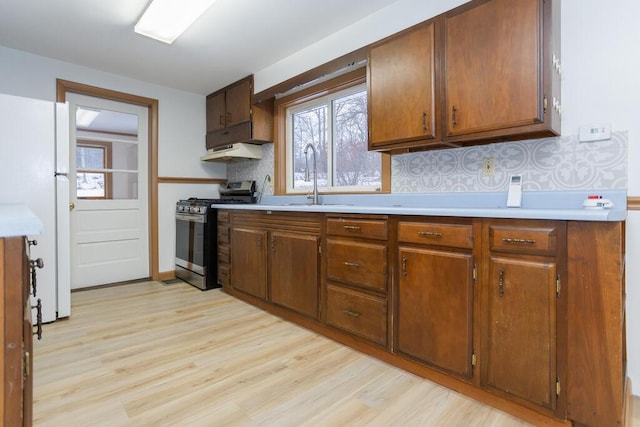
(85, 116)
(165, 20)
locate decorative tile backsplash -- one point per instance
(559, 163)
(254, 169)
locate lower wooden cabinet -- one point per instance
(435, 308)
(489, 307)
(276, 257)
(359, 313)
(249, 261)
(523, 311)
(294, 271)
(16, 399)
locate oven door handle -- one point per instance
(191, 217)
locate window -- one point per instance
(92, 184)
(333, 120)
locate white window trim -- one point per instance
(323, 100)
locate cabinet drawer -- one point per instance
(223, 216)
(361, 314)
(230, 135)
(522, 239)
(223, 254)
(358, 263)
(223, 235)
(428, 233)
(368, 228)
(223, 275)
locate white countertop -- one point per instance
(559, 205)
(18, 220)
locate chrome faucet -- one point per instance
(315, 171)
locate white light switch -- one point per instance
(595, 133)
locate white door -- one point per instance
(108, 178)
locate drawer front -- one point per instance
(227, 136)
(358, 313)
(223, 216)
(223, 275)
(223, 235)
(449, 235)
(357, 263)
(223, 255)
(366, 228)
(522, 239)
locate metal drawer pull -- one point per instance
(38, 324)
(510, 240)
(351, 227)
(351, 264)
(501, 282)
(351, 313)
(404, 266)
(429, 234)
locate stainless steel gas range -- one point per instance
(196, 233)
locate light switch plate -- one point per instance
(595, 133)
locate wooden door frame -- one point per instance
(63, 87)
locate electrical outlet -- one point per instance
(488, 166)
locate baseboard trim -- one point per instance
(166, 275)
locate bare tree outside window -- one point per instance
(354, 164)
(336, 125)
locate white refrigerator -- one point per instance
(34, 159)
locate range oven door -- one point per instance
(190, 242)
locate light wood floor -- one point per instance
(150, 354)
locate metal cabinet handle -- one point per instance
(501, 282)
(229, 118)
(351, 227)
(221, 121)
(351, 313)
(351, 264)
(37, 263)
(429, 234)
(404, 266)
(525, 241)
(260, 242)
(453, 116)
(27, 365)
(38, 324)
(424, 121)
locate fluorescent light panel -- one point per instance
(166, 20)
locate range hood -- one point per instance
(234, 152)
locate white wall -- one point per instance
(600, 63)
(181, 127)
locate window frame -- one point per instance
(321, 90)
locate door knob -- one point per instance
(72, 206)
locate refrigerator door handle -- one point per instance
(61, 174)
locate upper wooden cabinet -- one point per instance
(401, 84)
(483, 72)
(232, 117)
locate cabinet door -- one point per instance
(216, 112)
(239, 103)
(294, 271)
(249, 261)
(435, 308)
(519, 340)
(402, 87)
(493, 68)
